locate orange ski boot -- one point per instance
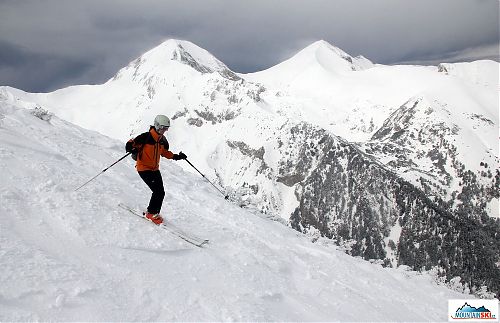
(155, 218)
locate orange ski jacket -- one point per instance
(150, 146)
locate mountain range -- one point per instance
(398, 164)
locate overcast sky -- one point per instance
(50, 44)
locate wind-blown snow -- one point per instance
(75, 256)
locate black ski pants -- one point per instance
(154, 181)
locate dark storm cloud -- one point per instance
(68, 42)
(30, 70)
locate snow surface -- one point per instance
(76, 256)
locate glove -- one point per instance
(179, 156)
(130, 148)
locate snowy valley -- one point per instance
(395, 164)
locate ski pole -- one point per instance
(225, 196)
(90, 180)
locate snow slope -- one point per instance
(75, 256)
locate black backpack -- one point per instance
(135, 152)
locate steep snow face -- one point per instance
(162, 61)
(70, 255)
(311, 73)
(317, 58)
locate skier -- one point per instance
(146, 149)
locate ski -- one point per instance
(169, 227)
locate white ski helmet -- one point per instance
(161, 121)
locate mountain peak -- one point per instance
(161, 57)
(333, 58)
(171, 43)
(317, 60)
(323, 44)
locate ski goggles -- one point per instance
(163, 127)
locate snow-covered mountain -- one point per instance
(388, 161)
(76, 256)
(318, 60)
(458, 105)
